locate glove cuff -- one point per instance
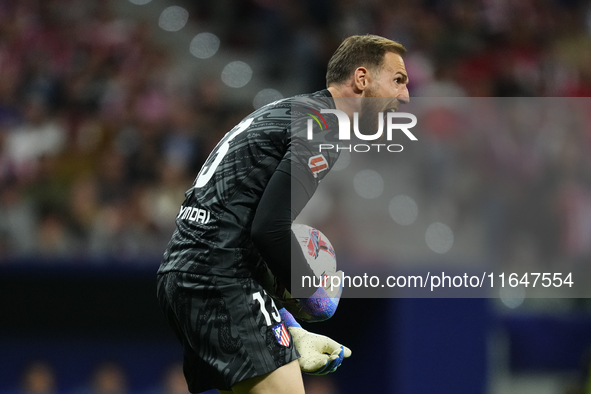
(319, 306)
(288, 318)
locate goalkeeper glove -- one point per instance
(319, 355)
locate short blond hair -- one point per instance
(359, 51)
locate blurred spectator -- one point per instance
(320, 384)
(38, 378)
(108, 378)
(174, 380)
(39, 136)
(18, 221)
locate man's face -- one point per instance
(390, 81)
(385, 91)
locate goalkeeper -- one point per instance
(235, 223)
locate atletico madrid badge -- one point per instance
(281, 334)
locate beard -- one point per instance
(371, 106)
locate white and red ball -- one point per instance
(317, 249)
(321, 258)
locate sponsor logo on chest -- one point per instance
(193, 214)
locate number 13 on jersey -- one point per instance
(275, 313)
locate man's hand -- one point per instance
(319, 355)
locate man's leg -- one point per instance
(284, 380)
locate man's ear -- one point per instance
(360, 78)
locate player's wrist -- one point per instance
(320, 306)
(288, 319)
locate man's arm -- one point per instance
(282, 201)
(284, 198)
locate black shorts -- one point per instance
(227, 337)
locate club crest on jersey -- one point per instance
(317, 164)
(281, 334)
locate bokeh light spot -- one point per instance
(173, 18)
(368, 184)
(512, 297)
(439, 237)
(204, 45)
(264, 97)
(404, 210)
(236, 74)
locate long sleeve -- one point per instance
(284, 198)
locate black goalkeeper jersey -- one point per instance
(213, 234)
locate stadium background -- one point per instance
(107, 110)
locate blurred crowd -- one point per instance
(108, 377)
(96, 141)
(518, 169)
(100, 133)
